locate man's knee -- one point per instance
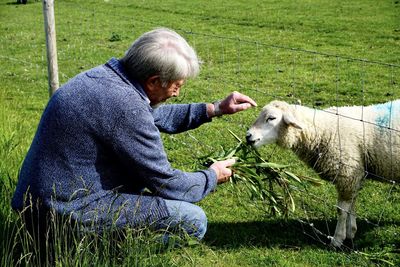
(199, 222)
(188, 216)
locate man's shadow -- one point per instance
(286, 234)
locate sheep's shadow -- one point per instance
(286, 234)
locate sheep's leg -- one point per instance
(351, 222)
(344, 207)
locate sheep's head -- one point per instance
(271, 123)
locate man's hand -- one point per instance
(233, 103)
(222, 170)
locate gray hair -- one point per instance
(161, 52)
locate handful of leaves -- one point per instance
(267, 182)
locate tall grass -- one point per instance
(64, 243)
(266, 49)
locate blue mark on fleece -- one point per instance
(386, 113)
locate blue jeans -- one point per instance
(184, 216)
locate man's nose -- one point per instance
(176, 93)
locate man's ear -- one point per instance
(152, 82)
(289, 119)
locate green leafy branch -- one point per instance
(267, 182)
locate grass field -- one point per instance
(321, 52)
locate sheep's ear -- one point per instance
(291, 120)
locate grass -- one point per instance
(322, 52)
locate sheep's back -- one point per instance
(376, 130)
(357, 138)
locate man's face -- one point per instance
(159, 94)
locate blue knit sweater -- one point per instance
(98, 146)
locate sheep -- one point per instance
(343, 144)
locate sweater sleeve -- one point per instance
(137, 142)
(176, 118)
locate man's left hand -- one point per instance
(235, 102)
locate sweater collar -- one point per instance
(118, 68)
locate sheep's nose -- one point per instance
(248, 139)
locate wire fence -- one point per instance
(261, 70)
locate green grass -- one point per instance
(322, 52)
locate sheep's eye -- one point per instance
(270, 119)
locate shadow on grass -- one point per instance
(13, 3)
(289, 234)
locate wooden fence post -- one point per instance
(50, 30)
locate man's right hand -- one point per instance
(222, 170)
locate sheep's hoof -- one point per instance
(335, 243)
(348, 245)
(344, 246)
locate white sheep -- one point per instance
(344, 145)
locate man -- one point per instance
(98, 157)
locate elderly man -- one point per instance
(98, 157)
